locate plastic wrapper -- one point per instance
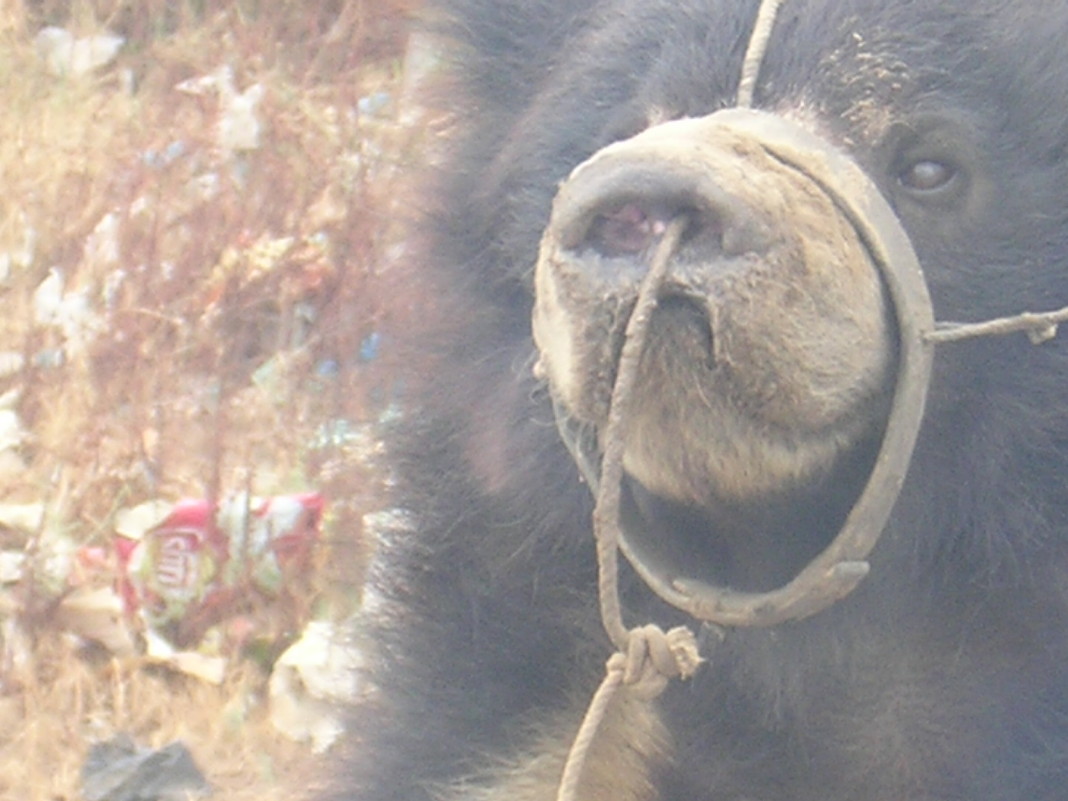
(202, 562)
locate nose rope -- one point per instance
(606, 511)
(754, 53)
(647, 657)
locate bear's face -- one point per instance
(764, 386)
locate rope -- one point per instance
(1039, 327)
(606, 511)
(647, 658)
(754, 53)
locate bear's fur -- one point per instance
(944, 676)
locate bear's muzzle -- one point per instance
(773, 358)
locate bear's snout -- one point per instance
(772, 350)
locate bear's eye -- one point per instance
(927, 175)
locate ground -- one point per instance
(188, 269)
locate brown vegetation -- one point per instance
(183, 316)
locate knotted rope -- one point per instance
(651, 658)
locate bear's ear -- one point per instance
(503, 48)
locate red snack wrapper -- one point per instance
(199, 563)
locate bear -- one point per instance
(585, 134)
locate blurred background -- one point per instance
(201, 205)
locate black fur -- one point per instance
(945, 676)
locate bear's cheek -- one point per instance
(771, 351)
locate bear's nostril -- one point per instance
(633, 227)
(628, 229)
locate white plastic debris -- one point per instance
(210, 669)
(135, 521)
(11, 361)
(48, 297)
(97, 615)
(16, 645)
(238, 128)
(54, 559)
(20, 246)
(12, 432)
(311, 684)
(68, 311)
(11, 566)
(24, 517)
(101, 249)
(64, 55)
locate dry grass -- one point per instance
(205, 340)
(71, 701)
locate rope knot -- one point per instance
(652, 657)
(648, 660)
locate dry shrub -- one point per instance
(186, 320)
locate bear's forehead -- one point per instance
(861, 63)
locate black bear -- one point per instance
(587, 132)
